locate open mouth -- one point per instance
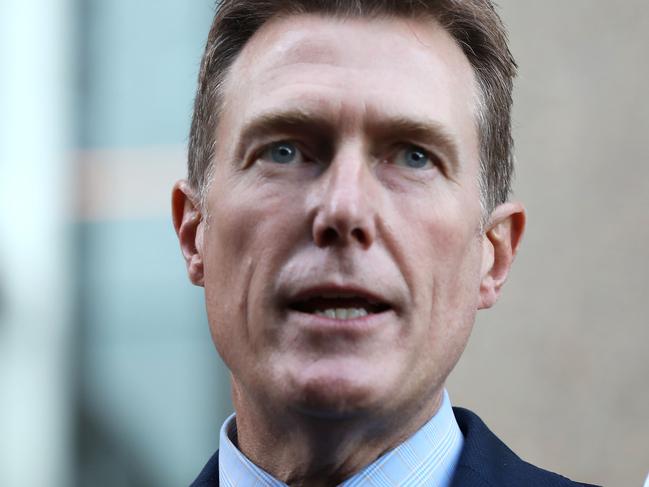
(340, 307)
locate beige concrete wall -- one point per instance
(560, 368)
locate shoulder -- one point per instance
(209, 476)
(488, 462)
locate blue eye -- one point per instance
(414, 157)
(282, 153)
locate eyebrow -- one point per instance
(288, 122)
(419, 131)
(397, 128)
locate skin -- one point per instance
(318, 398)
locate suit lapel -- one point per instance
(487, 462)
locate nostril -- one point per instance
(329, 236)
(359, 235)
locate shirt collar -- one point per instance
(427, 458)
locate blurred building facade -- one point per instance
(109, 377)
(152, 392)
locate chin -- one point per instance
(334, 394)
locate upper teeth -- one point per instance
(342, 313)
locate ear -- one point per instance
(188, 223)
(500, 243)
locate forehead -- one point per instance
(350, 68)
(329, 39)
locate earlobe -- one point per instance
(187, 220)
(500, 243)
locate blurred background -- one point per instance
(108, 376)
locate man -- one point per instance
(347, 214)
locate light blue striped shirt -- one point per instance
(428, 458)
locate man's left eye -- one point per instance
(413, 157)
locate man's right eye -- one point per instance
(282, 153)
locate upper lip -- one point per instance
(333, 291)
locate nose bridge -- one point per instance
(346, 212)
(344, 186)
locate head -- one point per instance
(346, 209)
(474, 25)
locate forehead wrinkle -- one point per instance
(296, 46)
(314, 36)
(291, 45)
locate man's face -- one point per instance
(341, 247)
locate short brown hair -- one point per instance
(474, 24)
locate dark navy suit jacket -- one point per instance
(485, 462)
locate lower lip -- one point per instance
(323, 324)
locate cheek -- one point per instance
(457, 279)
(251, 228)
(455, 300)
(228, 265)
(449, 301)
(227, 274)
(442, 239)
(445, 257)
(246, 220)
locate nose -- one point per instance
(345, 206)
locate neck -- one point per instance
(303, 449)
